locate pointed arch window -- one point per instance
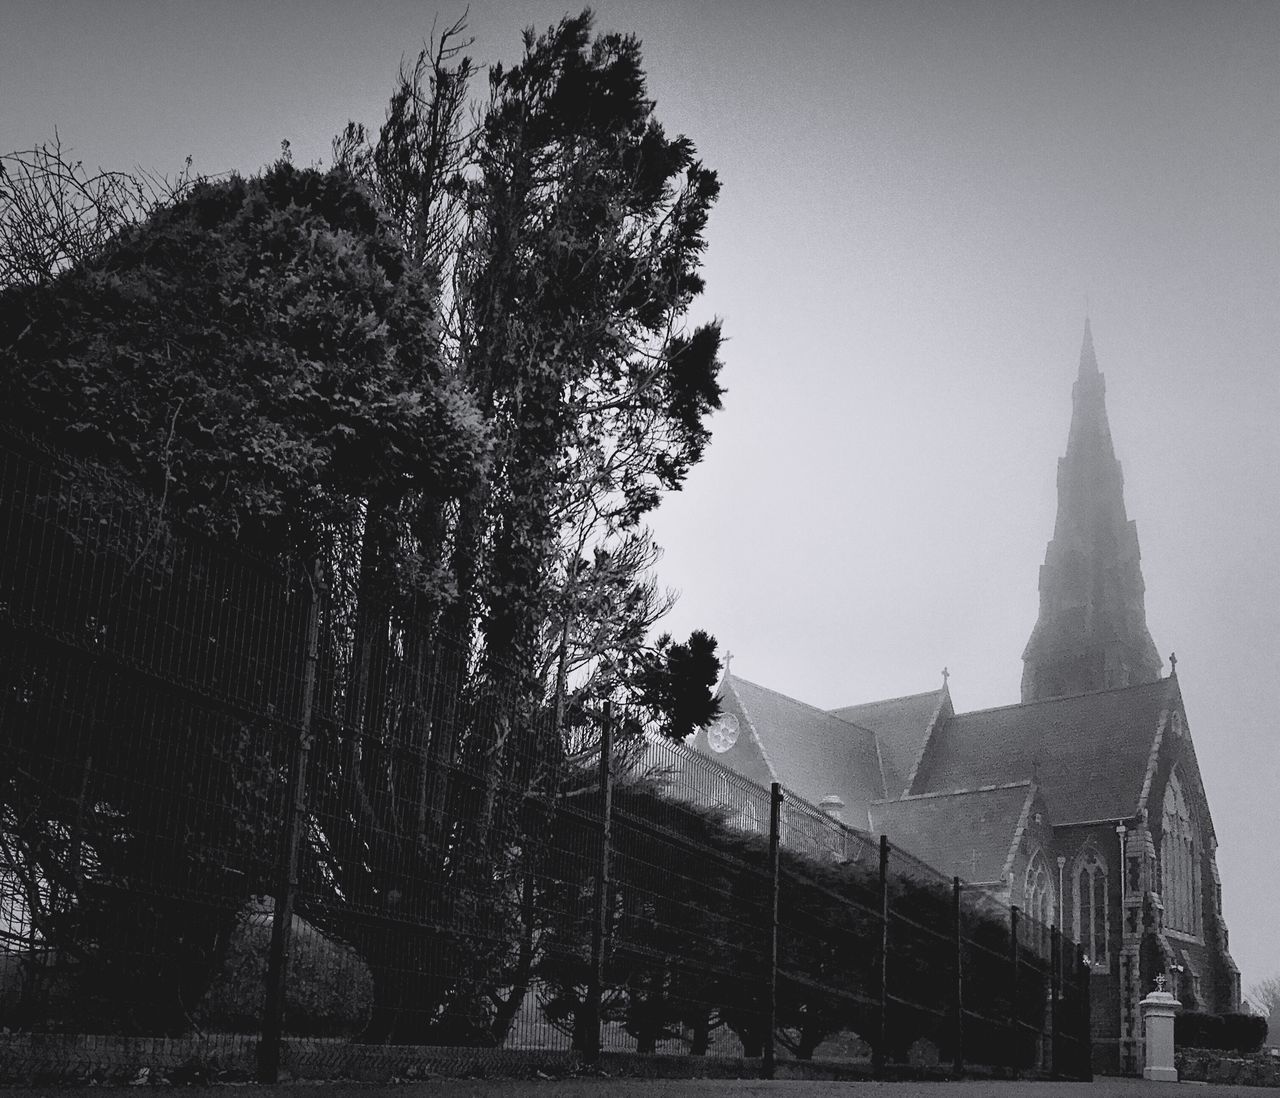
(1179, 868)
(1090, 905)
(1037, 900)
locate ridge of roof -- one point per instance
(1063, 698)
(1088, 752)
(1207, 822)
(751, 727)
(1019, 830)
(1153, 756)
(1172, 703)
(884, 783)
(969, 836)
(885, 701)
(802, 704)
(935, 722)
(954, 792)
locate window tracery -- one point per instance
(1179, 871)
(1091, 905)
(1037, 897)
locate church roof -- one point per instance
(967, 833)
(901, 725)
(1088, 753)
(812, 752)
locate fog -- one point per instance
(922, 202)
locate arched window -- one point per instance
(1090, 906)
(1037, 899)
(1179, 871)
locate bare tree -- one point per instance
(54, 212)
(1264, 996)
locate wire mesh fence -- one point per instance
(253, 821)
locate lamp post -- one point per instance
(1124, 877)
(1062, 896)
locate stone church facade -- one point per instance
(1083, 804)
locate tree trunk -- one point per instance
(407, 989)
(808, 1044)
(509, 1007)
(701, 1038)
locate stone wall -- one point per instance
(1202, 1065)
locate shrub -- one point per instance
(1228, 1032)
(328, 992)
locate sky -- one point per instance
(921, 204)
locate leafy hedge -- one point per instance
(1227, 1032)
(687, 935)
(328, 989)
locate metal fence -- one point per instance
(252, 823)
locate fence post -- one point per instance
(877, 1054)
(769, 1061)
(1014, 1017)
(294, 822)
(1084, 975)
(600, 924)
(958, 1022)
(1055, 993)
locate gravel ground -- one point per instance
(712, 1088)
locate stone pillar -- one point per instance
(1158, 1010)
(1129, 948)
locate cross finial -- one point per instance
(1173, 663)
(1161, 980)
(945, 676)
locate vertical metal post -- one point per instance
(1055, 992)
(1086, 1023)
(1014, 1013)
(295, 823)
(878, 1053)
(769, 1062)
(958, 1020)
(600, 924)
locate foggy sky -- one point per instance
(918, 198)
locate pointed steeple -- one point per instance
(1088, 360)
(1092, 630)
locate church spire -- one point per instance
(1088, 360)
(1092, 630)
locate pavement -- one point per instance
(713, 1088)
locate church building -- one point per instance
(1082, 804)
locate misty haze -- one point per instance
(692, 538)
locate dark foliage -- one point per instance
(405, 381)
(258, 354)
(328, 993)
(674, 683)
(571, 239)
(1228, 1032)
(686, 948)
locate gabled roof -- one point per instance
(901, 725)
(968, 833)
(813, 753)
(1088, 753)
